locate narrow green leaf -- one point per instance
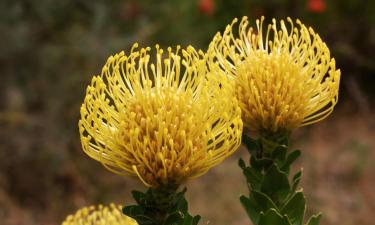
(259, 164)
(283, 140)
(251, 209)
(133, 210)
(253, 177)
(144, 220)
(314, 220)
(279, 153)
(289, 160)
(178, 198)
(174, 218)
(296, 179)
(294, 209)
(195, 220)
(182, 205)
(241, 163)
(263, 202)
(275, 184)
(188, 220)
(251, 144)
(139, 197)
(271, 217)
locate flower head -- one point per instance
(99, 215)
(164, 121)
(284, 78)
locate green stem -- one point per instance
(160, 202)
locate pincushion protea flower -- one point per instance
(285, 78)
(99, 215)
(163, 122)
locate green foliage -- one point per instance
(161, 206)
(295, 208)
(314, 220)
(273, 217)
(275, 184)
(273, 198)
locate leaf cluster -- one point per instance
(273, 198)
(162, 206)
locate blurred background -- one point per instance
(49, 51)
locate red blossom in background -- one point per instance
(206, 7)
(130, 10)
(316, 6)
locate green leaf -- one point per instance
(256, 204)
(275, 184)
(296, 179)
(188, 220)
(283, 140)
(259, 164)
(251, 208)
(195, 220)
(280, 153)
(139, 197)
(178, 200)
(289, 160)
(251, 144)
(174, 218)
(241, 163)
(273, 218)
(253, 177)
(314, 220)
(182, 205)
(133, 210)
(263, 202)
(143, 220)
(294, 209)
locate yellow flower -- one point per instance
(99, 215)
(284, 78)
(164, 121)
